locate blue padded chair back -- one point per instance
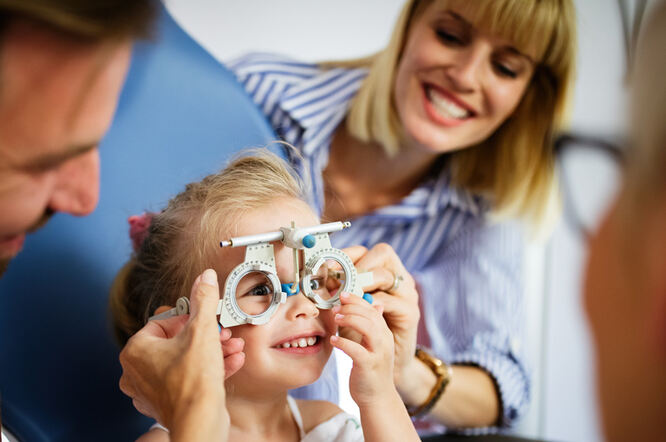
(181, 115)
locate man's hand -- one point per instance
(174, 369)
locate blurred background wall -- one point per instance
(563, 406)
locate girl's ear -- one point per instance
(162, 309)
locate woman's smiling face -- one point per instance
(455, 83)
(292, 349)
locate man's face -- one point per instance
(57, 99)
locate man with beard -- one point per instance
(62, 66)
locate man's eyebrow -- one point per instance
(51, 160)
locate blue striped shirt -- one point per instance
(468, 270)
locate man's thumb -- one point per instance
(205, 295)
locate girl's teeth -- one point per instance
(302, 342)
(446, 107)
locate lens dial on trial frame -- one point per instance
(252, 291)
(328, 272)
(327, 280)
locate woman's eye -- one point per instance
(260, 290)
(505, 71)
(449, 37)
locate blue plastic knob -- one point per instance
(367, 297)
(309, 241)
(290, 288)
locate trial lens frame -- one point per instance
(260, 257)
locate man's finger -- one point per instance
(234, 345)
(233, 363)
(164, 328)
(205, 296)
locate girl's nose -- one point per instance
(300, 306)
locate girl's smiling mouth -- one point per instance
(304, 343)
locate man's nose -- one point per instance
(77, 185)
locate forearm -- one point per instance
(387, 420)
(469, 400)
(200, 419)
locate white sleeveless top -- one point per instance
(342, 427)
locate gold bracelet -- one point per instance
(442, 371)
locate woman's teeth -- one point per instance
(446, 107)
(303, 342)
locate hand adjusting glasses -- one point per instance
(253, 291)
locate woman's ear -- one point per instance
(162, 309)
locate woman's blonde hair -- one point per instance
(515, 166)
(183, 239)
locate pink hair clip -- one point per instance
(139, 225)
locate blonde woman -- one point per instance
(437, 145)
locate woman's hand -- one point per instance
(174, 369)
(400, 304)
(372, 356)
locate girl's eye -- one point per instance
(449, 37)
(315, 284)
(260, 290)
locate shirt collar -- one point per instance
(324, 99)
(320, 102)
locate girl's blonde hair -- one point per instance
(515, 166)
(183, 239)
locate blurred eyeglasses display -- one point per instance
(590, 174)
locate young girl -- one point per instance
(257, 194)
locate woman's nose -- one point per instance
(76, 189)
(300, 306)
(466, 71)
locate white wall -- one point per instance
(309, 30)
(564, 401)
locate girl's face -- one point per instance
(270, 365)
(455, 83)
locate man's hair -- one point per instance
(93, 20)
